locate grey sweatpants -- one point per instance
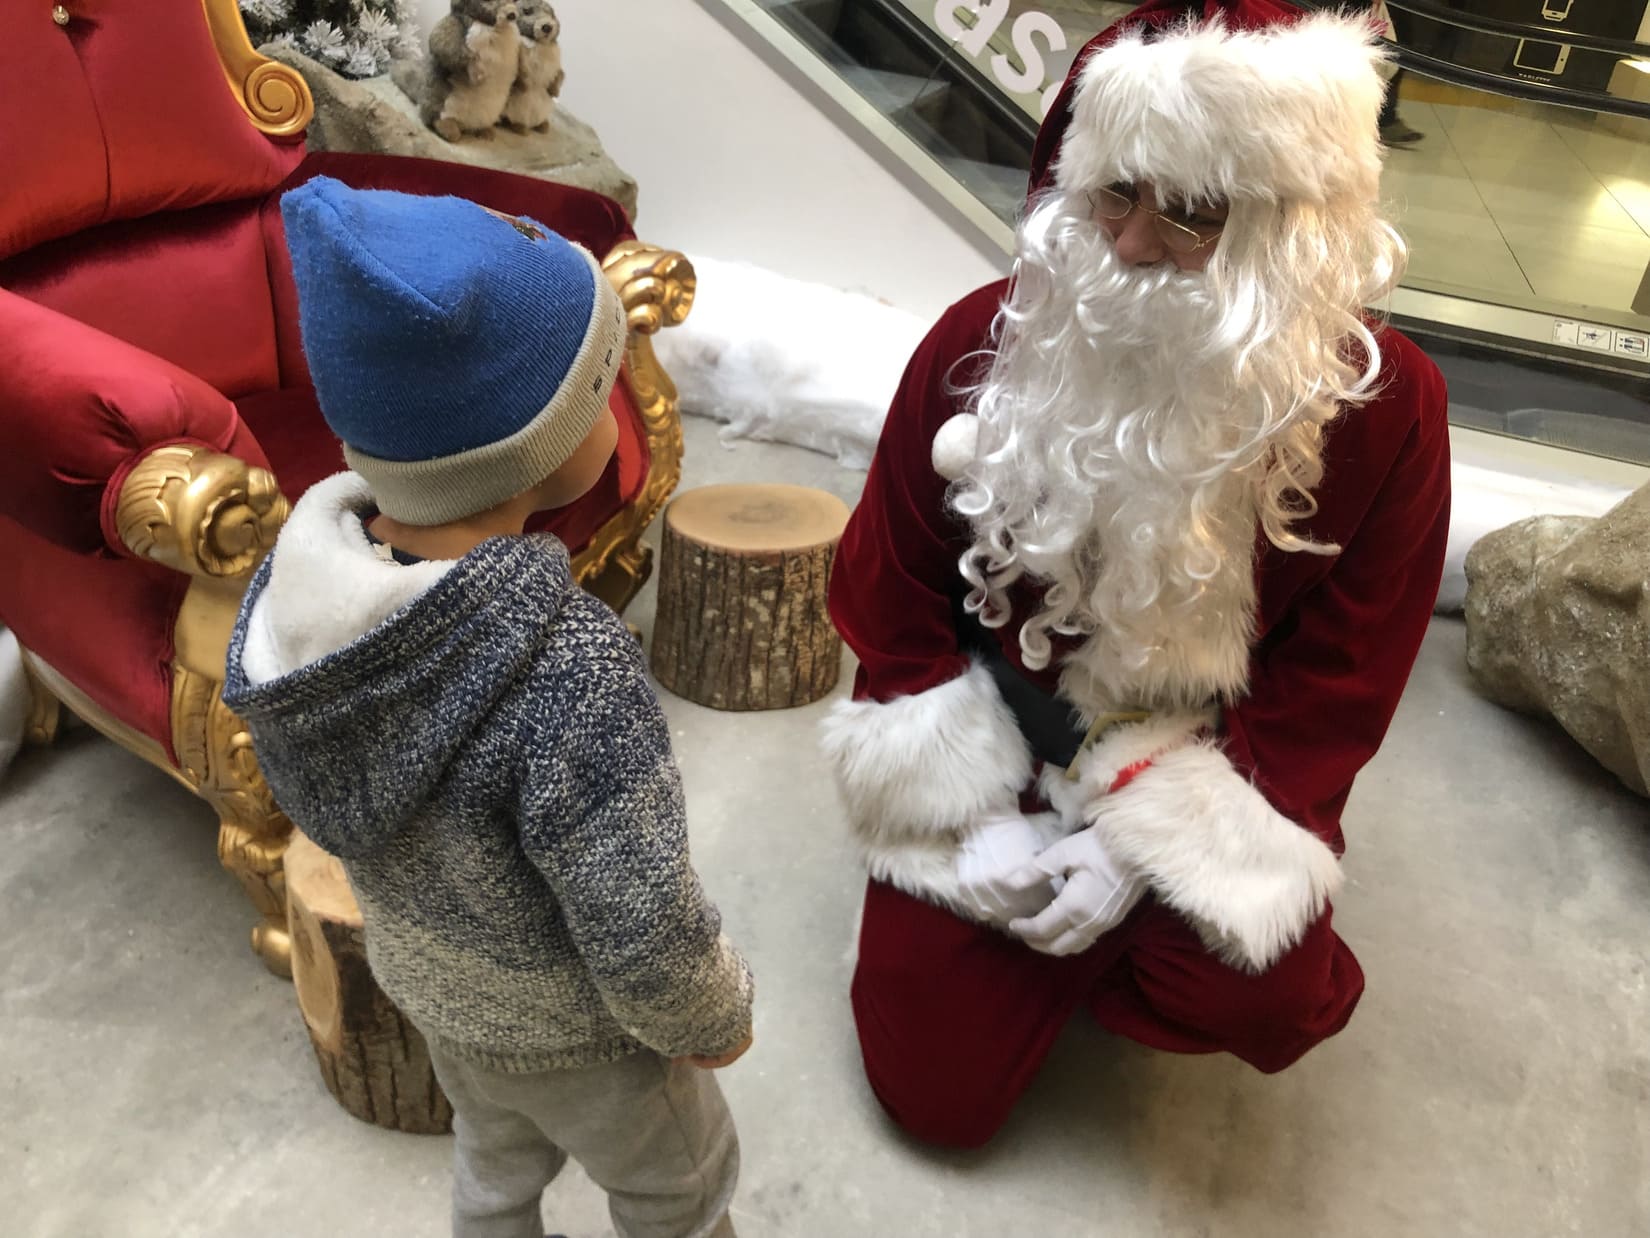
(655, 1135)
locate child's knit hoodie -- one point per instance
(477, 741)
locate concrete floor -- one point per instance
(157, 1082)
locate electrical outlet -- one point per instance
(1631, 345)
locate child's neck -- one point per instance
(457, 538)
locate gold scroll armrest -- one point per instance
(200, 512)
(656, 287)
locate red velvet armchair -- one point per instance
(156, 417)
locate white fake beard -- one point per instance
(1137, 426)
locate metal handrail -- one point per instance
(1520, 30)
(1497, 83)
(1518, 87)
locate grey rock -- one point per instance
(1558, 624)
(376, 115)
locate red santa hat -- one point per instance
(1211, 100)
(1249, 98)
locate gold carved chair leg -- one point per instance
(213, 517)
(45, 712)
(215, 753)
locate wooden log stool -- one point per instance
(742, 622)
(374, 1061)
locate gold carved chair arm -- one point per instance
(214, 517)
(656, 287)
(199, 511)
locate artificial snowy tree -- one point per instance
(357, 38)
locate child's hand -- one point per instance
(721, 1060)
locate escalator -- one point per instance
(1527, 205)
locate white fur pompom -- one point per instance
(954, 445)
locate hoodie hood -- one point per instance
(1221, 99)
(338, 657)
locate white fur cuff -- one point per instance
(1248, 878)
(933, 763)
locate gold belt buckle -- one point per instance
(1103, 723)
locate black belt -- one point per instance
(1050, 725)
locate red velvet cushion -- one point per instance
(288, 426)
(77, 406)
(104, 623)
(302, 451)
(124, 112)
(189, 286)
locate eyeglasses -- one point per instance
(1116, 202)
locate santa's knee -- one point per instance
(923, 1089)
(1270, 1019)
(942, 1117)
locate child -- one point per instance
(435, 701)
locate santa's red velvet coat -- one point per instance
(1239, 830)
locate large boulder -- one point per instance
(1558, 623)
(375, 115)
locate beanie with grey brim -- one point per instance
(449, 488)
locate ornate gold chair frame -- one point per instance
(213, 517)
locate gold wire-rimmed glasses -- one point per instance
(1115, 202)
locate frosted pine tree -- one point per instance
(357, 38)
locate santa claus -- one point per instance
(1144, 559)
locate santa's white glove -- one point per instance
(1098, 892)
(1003, 846)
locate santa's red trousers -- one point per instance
(955, 1019)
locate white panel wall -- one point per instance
(735, 162)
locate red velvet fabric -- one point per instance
(76, 405)
(106, 623)
(124, 112)
(288, 425)
(191, 287)
(956, 1019)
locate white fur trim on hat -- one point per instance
(955, 444)
(1287, 112)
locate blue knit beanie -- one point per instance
(460, 354)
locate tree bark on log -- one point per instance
(742, 622)
(374, 1061)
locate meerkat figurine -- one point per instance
(538, 69)
(474, 55)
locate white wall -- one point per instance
(735, 162)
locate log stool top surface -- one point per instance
(742, 620)
(758, 517)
